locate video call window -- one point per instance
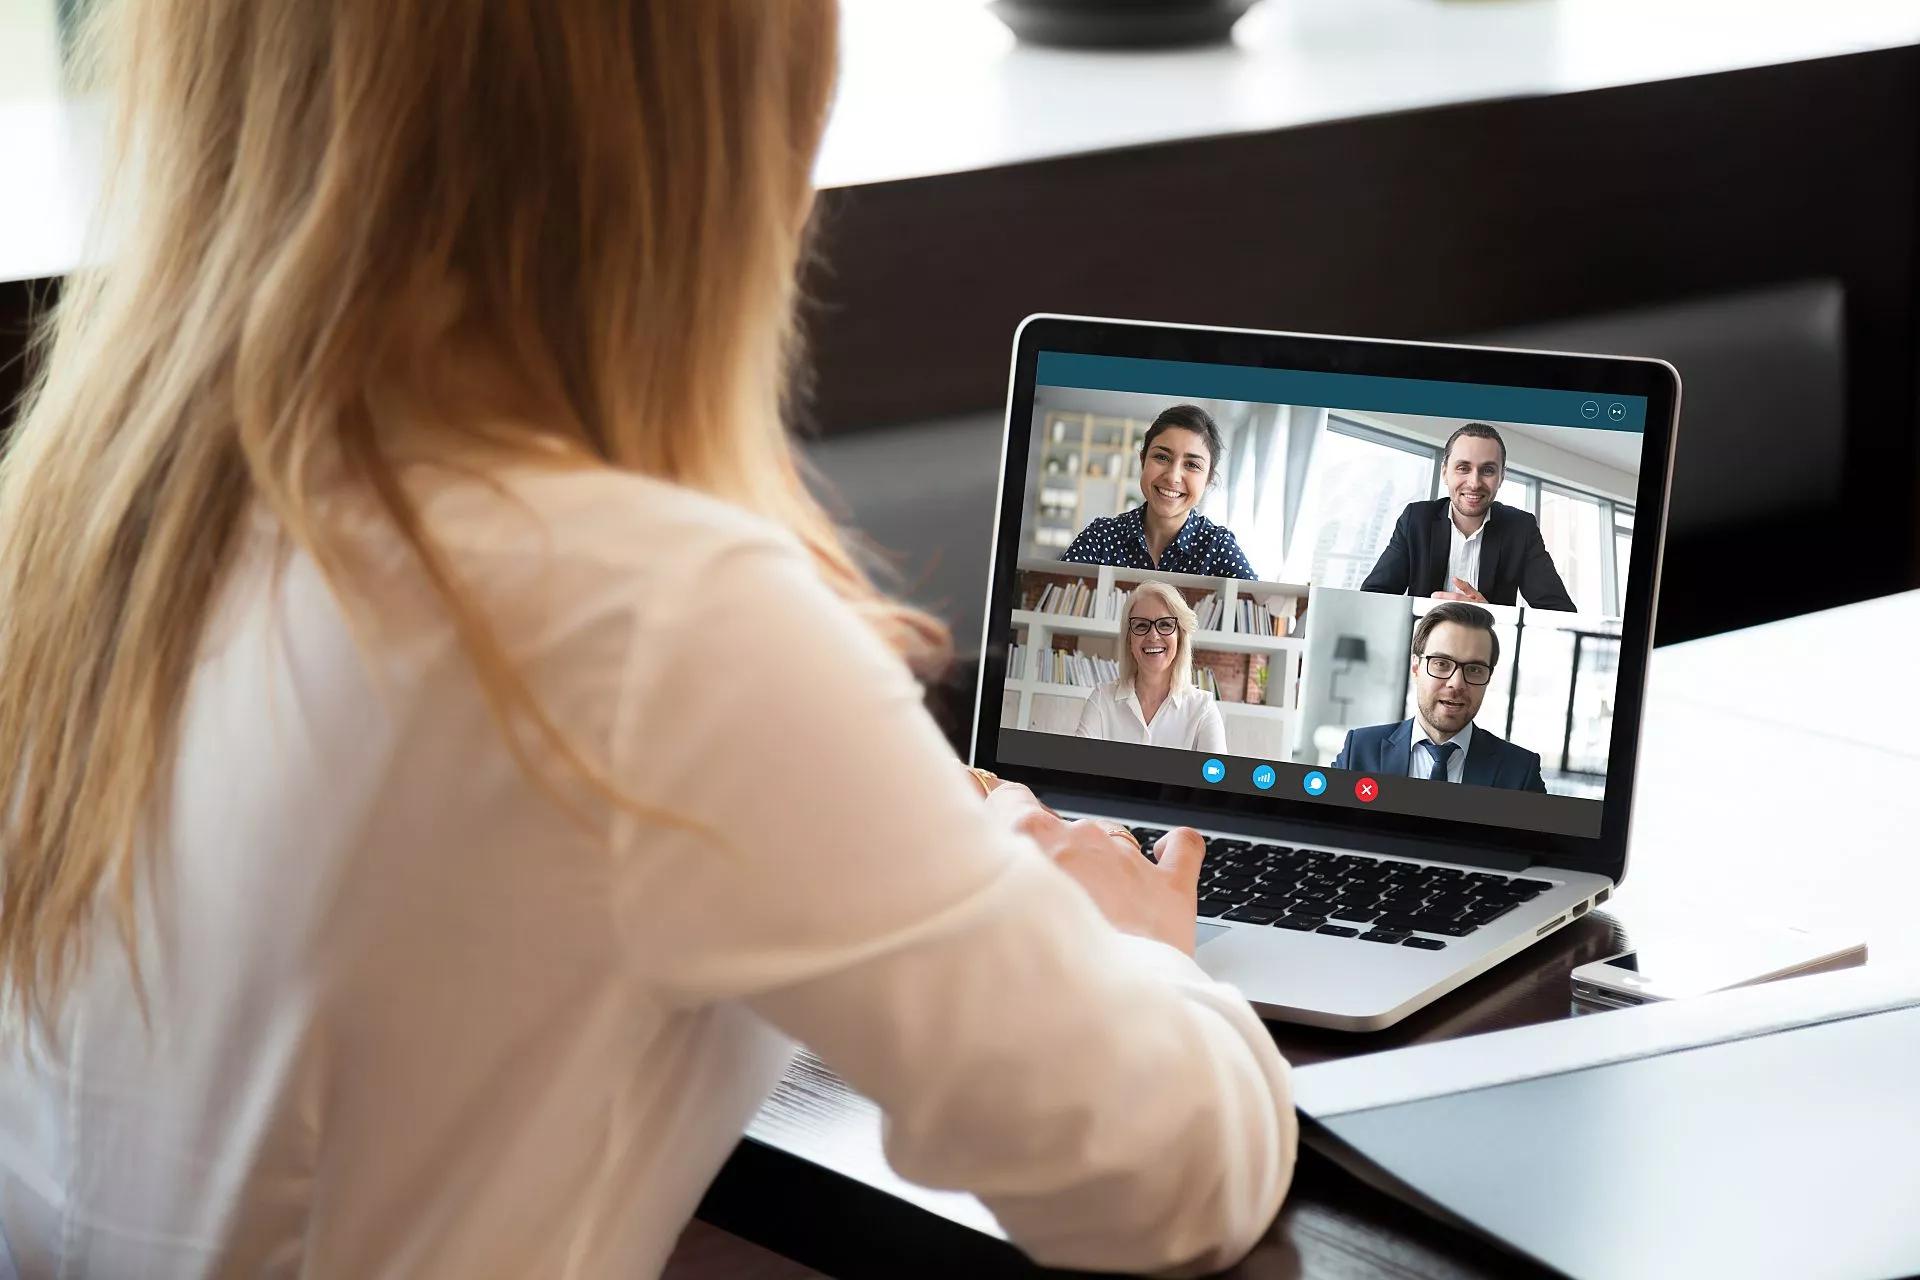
(1249, 578)
(1553, 693)
(1576, 527)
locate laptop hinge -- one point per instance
(1160, 814)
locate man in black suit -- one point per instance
(1466, 546)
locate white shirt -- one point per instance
(1189, 719)
(1420, 762)
(1463, 555)
(410, 1019)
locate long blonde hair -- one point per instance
(325, 218)
(1164, 597)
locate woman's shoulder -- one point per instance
(1096, 528)
(1217, 533)
(595, 514)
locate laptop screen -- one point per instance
(1349, 591)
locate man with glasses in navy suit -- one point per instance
(1454, 654)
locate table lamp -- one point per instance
(1348, 652)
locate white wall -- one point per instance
(1377, 692)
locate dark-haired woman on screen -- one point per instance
(1179, 458)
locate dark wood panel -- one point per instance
(20, 300)
(1437, 224)
(1426, 224)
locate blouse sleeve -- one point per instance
(1113, 1106)
(1091, 716)
(1210, 734)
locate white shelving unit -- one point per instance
(1253, 729)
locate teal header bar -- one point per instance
(1192, 380)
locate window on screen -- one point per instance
(1362, 485)
(1570, 524)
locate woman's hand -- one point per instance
(1153, 899)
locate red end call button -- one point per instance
(1366, 791)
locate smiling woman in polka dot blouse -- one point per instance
(1178, 460)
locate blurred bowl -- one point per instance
(1120, 24)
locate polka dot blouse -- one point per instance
(1201, 546)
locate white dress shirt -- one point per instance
(1189, 718)
(1463, 556)
(1420, 762)
(410, 1018)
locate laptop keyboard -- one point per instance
(1350, 895)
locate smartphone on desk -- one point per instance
(1709, 956)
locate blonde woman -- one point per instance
(1154, 700)
(416, 861)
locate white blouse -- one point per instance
(409, 1018)
(1188, 720)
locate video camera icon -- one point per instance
(1213, 771)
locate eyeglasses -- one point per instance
(1441, 667)
(1165, 626)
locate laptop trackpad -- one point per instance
(1205, 933)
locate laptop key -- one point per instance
(1337, 930)
(1253, 915)
(1425, 944)
(1487, 912)
(1384, 935)
(1231, 880)
(1215, 906)
(1426, 924)
(1304, 923)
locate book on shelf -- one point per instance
(1080, 599)
(1078, 670)
(1231, 674)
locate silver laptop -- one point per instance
(1374, 617)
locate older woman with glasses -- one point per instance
(1154, 701)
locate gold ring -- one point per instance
(1117, 831)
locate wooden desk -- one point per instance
(1778, 779)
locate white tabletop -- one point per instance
(1778, 780)
(939, 86)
